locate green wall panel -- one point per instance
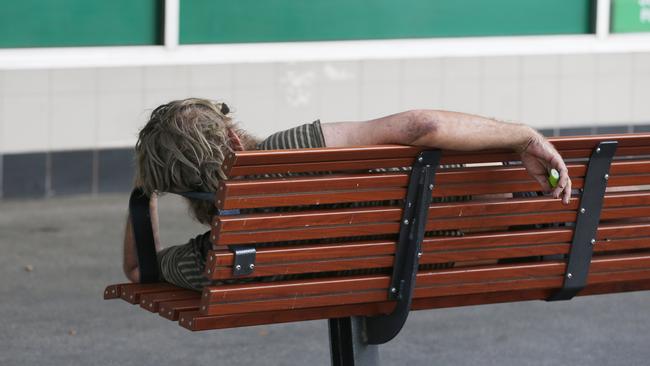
(227, 21)
(630, 16)
(50, 23)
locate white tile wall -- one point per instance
(461, 85)
(86, 108)
(73, 121)
(26, 122)
(120, 79)
(641, 98)
(539, 101)
(298, 92)
(577, 103)
(340, 87)
(119, 118)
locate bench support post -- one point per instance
(381, 329)
(348, 346)
(584, 234)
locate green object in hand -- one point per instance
(553, 177)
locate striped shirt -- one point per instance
(184, 265)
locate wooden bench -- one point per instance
(304, 242)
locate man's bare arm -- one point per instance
(456, 131)
(130, 258)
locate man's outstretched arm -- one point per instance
(456, 131)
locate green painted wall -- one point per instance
(228, 21)
(50, 23)
(630, 16)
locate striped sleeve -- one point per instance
(309, 135)
(183, 265)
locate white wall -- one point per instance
(88, 108)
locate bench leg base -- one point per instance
(347, 343)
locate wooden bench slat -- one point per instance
(131, 293)
(429, 257)
(375, 254)
(172, 309)
(151, 302)
(272, 317)
(113, 291)
(323, 194)
(241, 158)
(310, 227)
(447, 158)
(436, 210)
(385, 180)
(359, 289)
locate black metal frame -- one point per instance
(383, 328)
(348, 345)
(143, 236)
(584, 235)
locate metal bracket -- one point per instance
(244, 263)
(383, 328)
(584, 235)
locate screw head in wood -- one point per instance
(593, 241)
(420, 159)
(597, 150)
(251, 266)
(606, 177)
(393, 290)
(406, 222)
(430, 186)
(238, 267)
(569, 276)
(582, 210)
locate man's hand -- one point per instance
(539, 157)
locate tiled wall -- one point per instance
(71, 130)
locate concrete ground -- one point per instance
(58, 255)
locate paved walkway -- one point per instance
(57, 255)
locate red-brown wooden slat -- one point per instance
(436, 210)
(321, 195)
(256, 291)
(151, 302)
(342, 264)
(132, 292)
(172, 309)
(375, 261)
(113, 291)
(199, 323)
(367, 163)
(525, 295)
(386, 180)
(380, 247)
(473, 222)
(241, 158)
(360, 289)
(196, 322)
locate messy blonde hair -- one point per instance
(182, 148)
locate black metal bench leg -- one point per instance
(347, 344)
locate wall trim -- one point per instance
(91, 57)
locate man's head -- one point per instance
(182, 148)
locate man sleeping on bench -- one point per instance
(184, 143)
